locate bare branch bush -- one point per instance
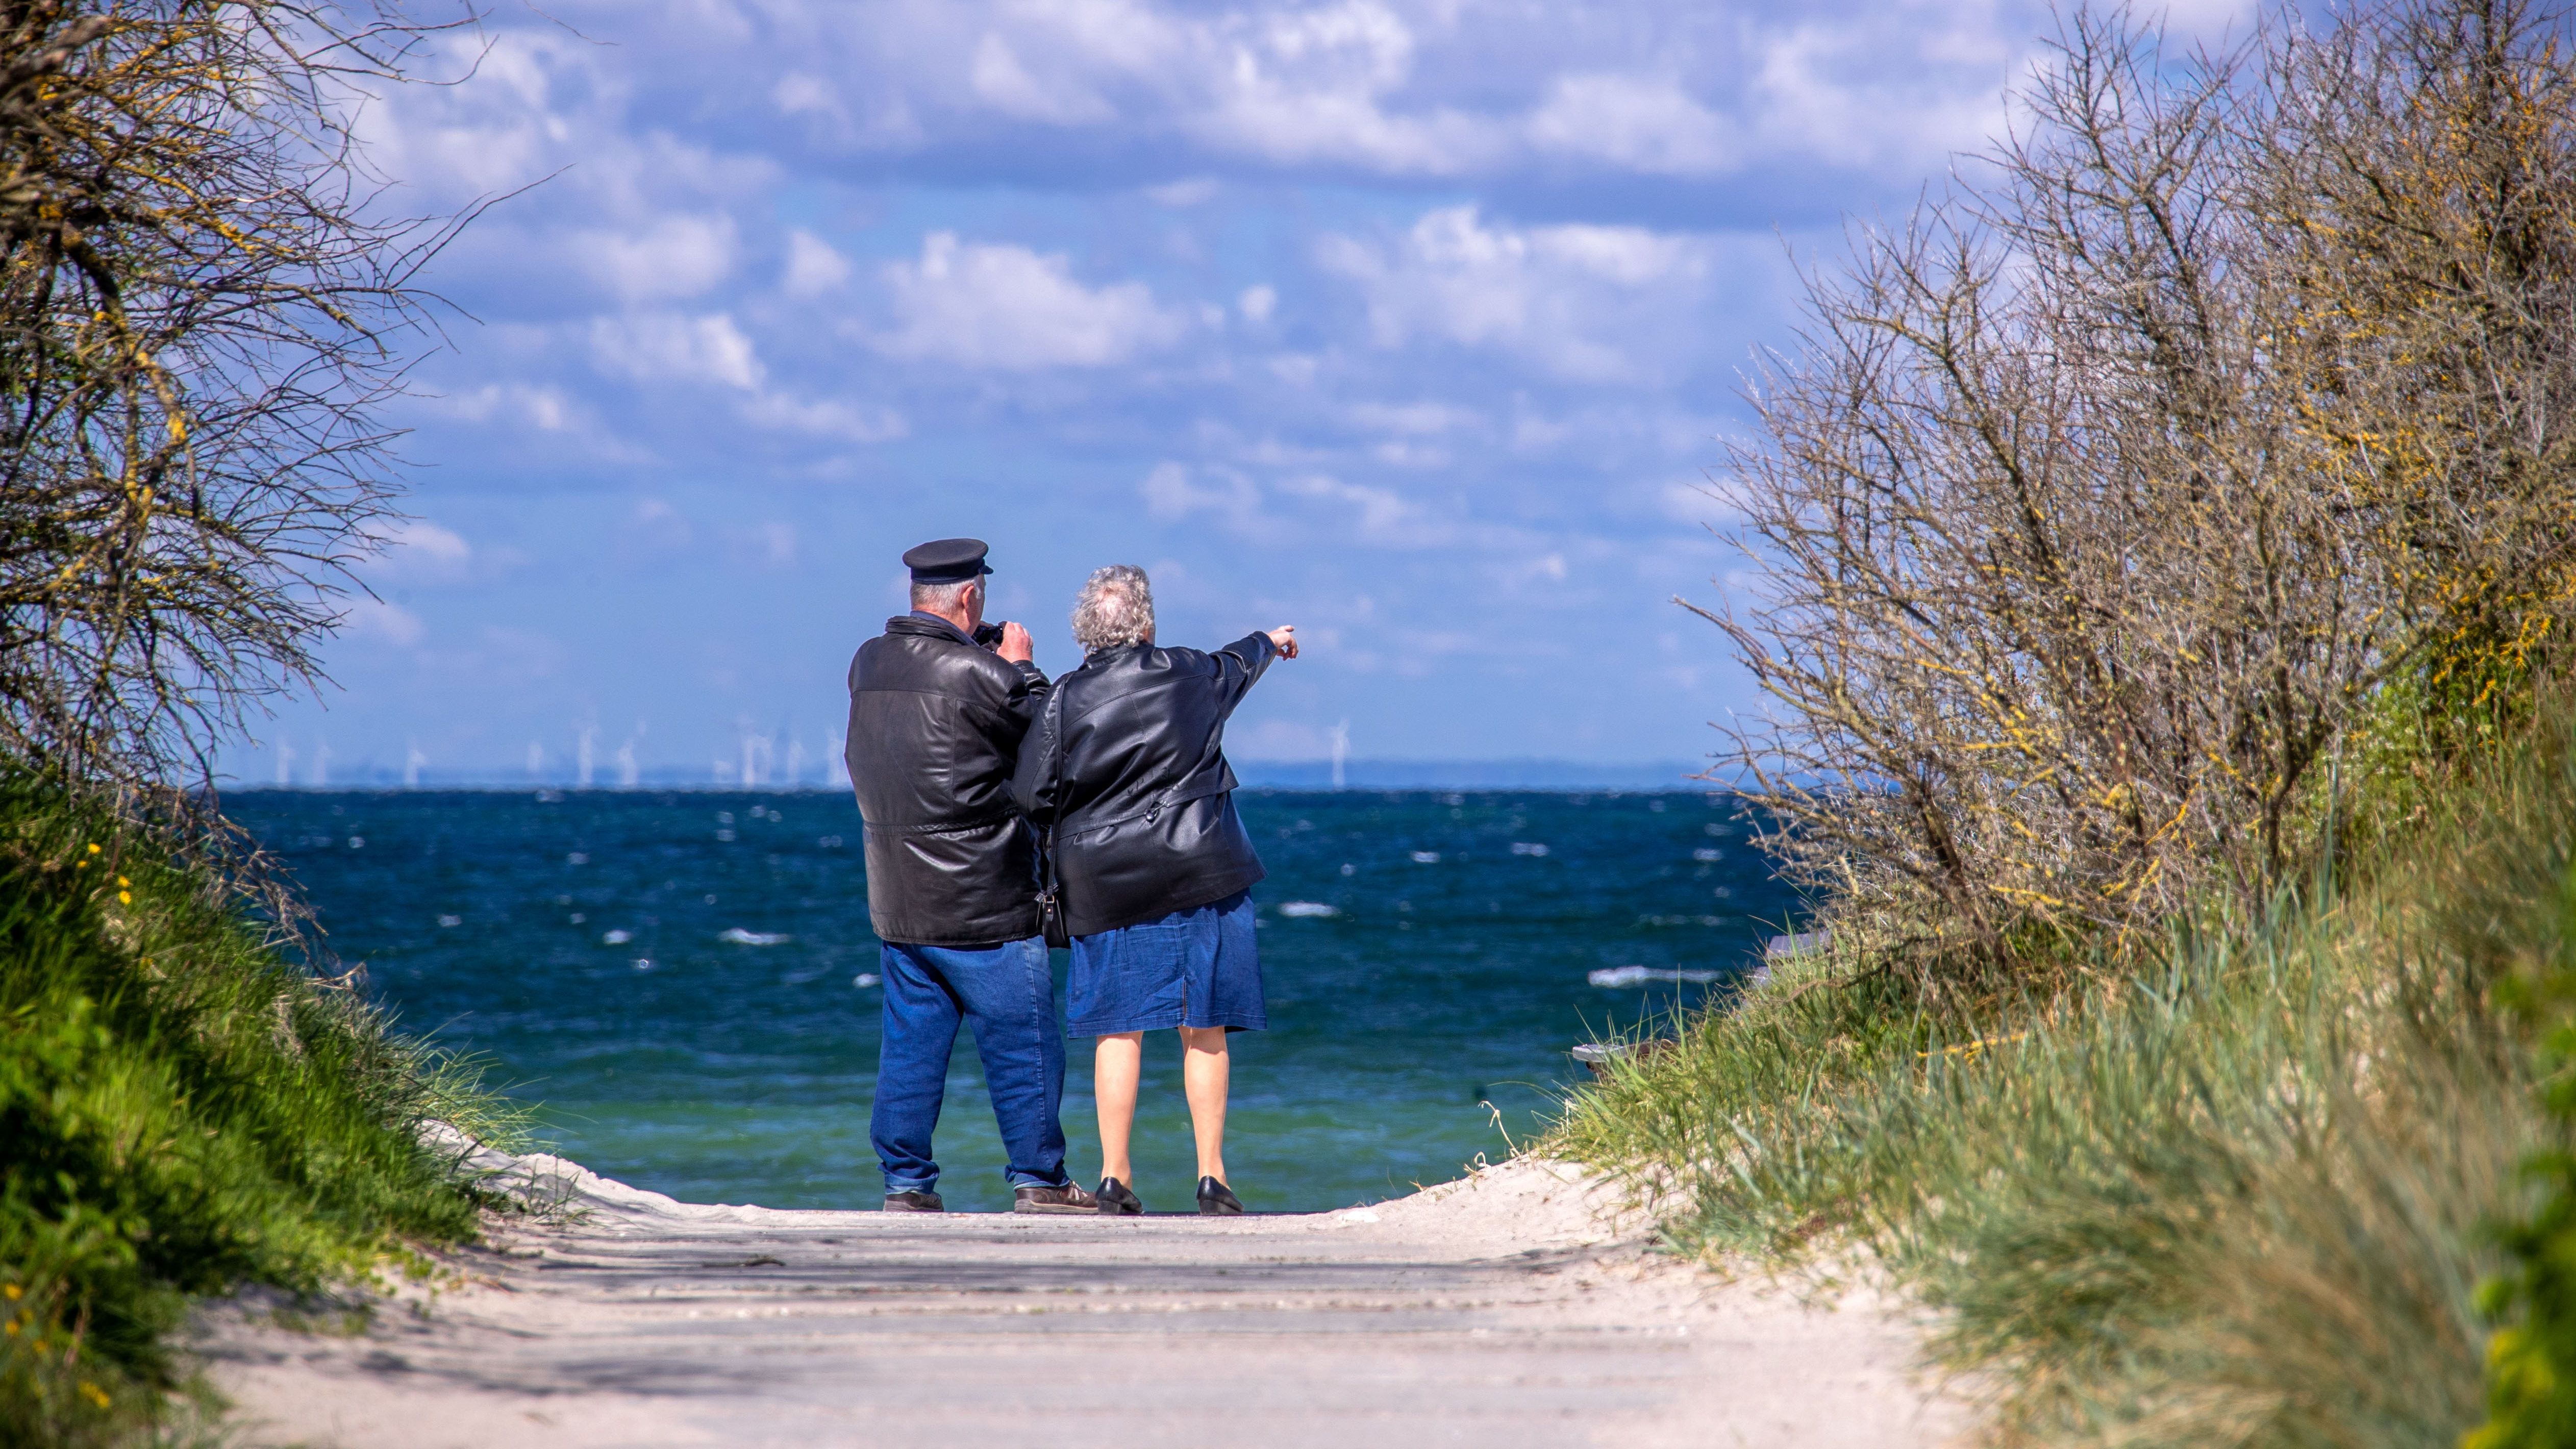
(200, 317)
(2099, 501)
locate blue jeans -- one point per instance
(1007, 993)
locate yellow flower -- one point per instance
(94, 1394)
(12, 1292)
(93, 849)
(120, 880)
(125, 898)
(13, 1328)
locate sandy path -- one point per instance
(1502, 1310)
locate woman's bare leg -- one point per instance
(1204, 1070)
(1115, 1064)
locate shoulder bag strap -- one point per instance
(1050, 888)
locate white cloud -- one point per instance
(1818, 94)
(1196, 191)
(382, 622)
(1005, 306)
(415, 550)
(848, 421)
(1378, 515)
(813, 267)
(1393, 87)
(1534, 434)
(545, 408)
(801, 93)
(1170, 492)
(1315, 85)
(1424, 418)
(1578, 301)
(1003, 83)
(768, 545)
(494, 133)
(1515, 574)
(668, 347)
(669, 258)
(1257, 303)
(1642, 125)
(1698, 503)
(2207, 19)
(1404, 453)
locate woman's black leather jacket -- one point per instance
(936, 724)
(1126, 766)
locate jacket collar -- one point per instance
(928, 626)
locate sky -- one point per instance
(1420, 326)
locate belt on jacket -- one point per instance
(1180, 795)
(941, 827)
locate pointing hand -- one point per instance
(1285, 637)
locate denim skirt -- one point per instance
(1199, 967)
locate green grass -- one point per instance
(185, 1113)
(2246, 1195)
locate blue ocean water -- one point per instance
(682, 979)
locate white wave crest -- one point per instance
(1640, 975)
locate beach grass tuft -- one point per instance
(2247, 1194)
(187, 1112)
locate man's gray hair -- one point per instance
(1116, 609)
(942, 598)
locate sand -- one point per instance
(1514, 1307)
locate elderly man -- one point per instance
(938, 706)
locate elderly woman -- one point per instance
(1152, 868)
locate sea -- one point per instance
(683, 985)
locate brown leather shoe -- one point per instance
(914, 1201)
(1067, 1198)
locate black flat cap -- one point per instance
(946, 561)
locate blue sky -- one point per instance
(1416, 325)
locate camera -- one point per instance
(989, 635)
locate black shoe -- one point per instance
(1062, 1198)
(914, 1201)
(1216, 1201)
(1117, 1201)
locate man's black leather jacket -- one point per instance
(935, 728)
(1128, 768)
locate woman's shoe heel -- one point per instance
(1216, 1200)
(1117, 1200)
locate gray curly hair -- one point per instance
(1116, 609)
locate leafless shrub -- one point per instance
(2101, 499)
(199, 318)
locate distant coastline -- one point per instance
(1502, 774)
